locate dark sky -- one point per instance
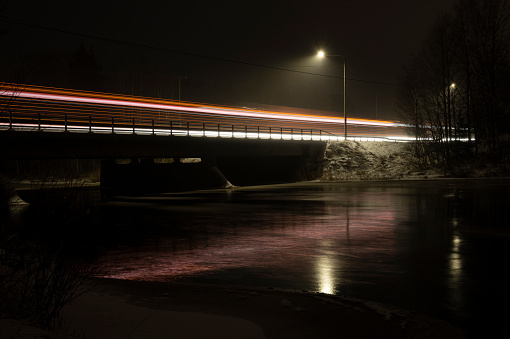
(376, 37)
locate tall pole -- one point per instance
(345, 113)
(321, 55)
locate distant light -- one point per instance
(320, 54)
(452, 85)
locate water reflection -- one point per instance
(416, 245)
(455, 258)
(328, 269)
(297, 233)
(455, 273)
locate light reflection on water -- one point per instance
(272, 235)
(328, 274)
(413, 244)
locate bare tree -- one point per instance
(456, 86)
(427, 98)
(37, 280)
(490, 24)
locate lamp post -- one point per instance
(450, 113)
(321, 54)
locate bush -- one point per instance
(37, 280)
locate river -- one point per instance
(439, 247)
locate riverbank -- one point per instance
(342, 161)
(371, 160)
(135, 309)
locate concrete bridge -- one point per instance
(154, 161)
(135, 137)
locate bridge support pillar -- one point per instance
(145, 176)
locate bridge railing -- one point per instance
(79, 123)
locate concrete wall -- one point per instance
(241, 161)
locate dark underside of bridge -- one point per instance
(154, 163)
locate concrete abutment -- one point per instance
(240, 161)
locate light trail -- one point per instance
(30, 103)
(182, 132)
(203, 109)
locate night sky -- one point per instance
(376, 38)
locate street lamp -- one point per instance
(450, 109)
(321, 54)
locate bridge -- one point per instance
(248, 145)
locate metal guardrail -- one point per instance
(102, 123)
(120, 125)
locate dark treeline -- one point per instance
(456, 88)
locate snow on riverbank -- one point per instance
(369, 160)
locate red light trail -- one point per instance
(51, 104)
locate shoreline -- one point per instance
(140, 309)
(26, 185)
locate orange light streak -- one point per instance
(79, 105)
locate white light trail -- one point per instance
(200, 110)
(195, 133)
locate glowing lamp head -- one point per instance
(452, 86)
(320, 54)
